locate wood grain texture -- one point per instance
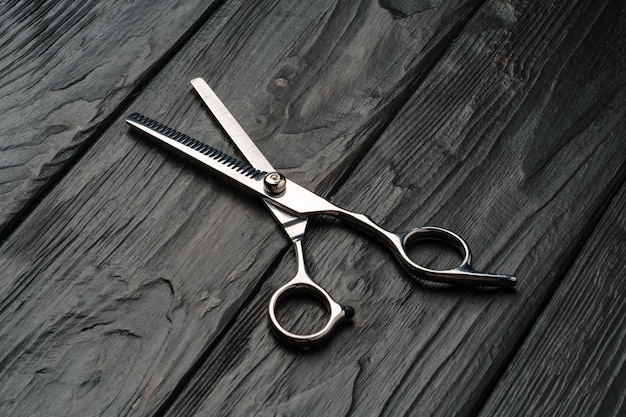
(65, 68)
(514, 140)
(133, 266)
(574, 361)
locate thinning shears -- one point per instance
(292, 206)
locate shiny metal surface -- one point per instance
(294, 226)
(295, 205)
(275, 184)
(302, 283)
(231, 126)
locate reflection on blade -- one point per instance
(201, 152)
(231, 126)
(294, 226)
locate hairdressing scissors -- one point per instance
(292, 205)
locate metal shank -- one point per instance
(299, 200)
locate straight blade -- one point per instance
(294, 226)
(231, 126)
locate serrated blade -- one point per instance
(215, 159)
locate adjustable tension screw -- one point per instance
(274, 184)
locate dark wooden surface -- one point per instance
(66, 68)
(135, 284)
(572, 363)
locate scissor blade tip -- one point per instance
(131, 119)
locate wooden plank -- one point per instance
(574, 360)
(134, 265)
(514, 140)
(66, 67)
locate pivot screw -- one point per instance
(275, 184)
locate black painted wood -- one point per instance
(574, 361)
(515, 140)
(65, 69)
(135, 264)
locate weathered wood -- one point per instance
(66, 67)
(514, 140)
(573, 362)
(128, 270)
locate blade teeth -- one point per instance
(201, 147)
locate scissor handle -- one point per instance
(462, 274)
(337, 313)
(302, 283)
